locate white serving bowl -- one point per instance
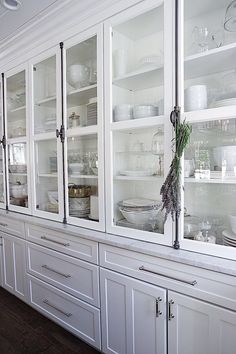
(142, 111)
(78, 75)
(232, 220)
(76, 167)
(140, 217)
(18, 190)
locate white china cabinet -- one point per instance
(83, 111)
(208, 101)
(17, 154)
(139, 86)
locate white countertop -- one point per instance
(216, 264)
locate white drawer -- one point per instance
(74, 276)
(75, 315)
(207, 285)
(68, 244)
(12, 226)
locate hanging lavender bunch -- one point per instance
(170, 190)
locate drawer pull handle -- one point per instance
(58, 242)
(56, 271)
(3, 224)
(67, 314)
(170, 314)
(194, 282)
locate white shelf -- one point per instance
(210, 114)
(138, 123)
(138, 178)
(84, 176)
(81, 96)
(48, 102)
(45, 136)
(210, 181)
(17, 174)
(16, 140)
(141, 79)
(48, 175)
(79, 131)
(210, 62)
(145, 152)
(16, 110)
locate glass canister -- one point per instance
(74, 120)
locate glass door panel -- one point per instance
(2, 183)
(44, 75)
(18, 182)
(138, 67)
(209, 54)
(140, 132)
(16, 105)
(210, 183)
(46, 176)
(82, 157)
(81, 62)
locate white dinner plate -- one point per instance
(228, 234)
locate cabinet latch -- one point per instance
(175, 116)
(170, 314)
(61, 133)
(3, 141)
(158, 312)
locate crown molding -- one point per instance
(59, 24)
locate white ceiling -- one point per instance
(11, 22)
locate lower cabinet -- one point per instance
(14, 265)
(140, 318)
(197, 327)
(133, 315)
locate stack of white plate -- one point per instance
(229, 238)
(92, 113)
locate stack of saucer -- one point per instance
(229, 238)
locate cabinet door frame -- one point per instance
(99, 129)
(34, 139)
(26, 139)
(169, 20)
(130, 284)
(3, 134)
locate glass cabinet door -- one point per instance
(2, 179)
(46, 147)
(16, 134)
(139, 129)
(84, 121)
(209, 100)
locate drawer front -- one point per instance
(74, 276)
(207, 285)
(75, 315)
(71, 245)
(12, 226)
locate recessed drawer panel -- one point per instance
(74, 276)
(207, 285)
(68, 244)
(75, 315)
(12, 226)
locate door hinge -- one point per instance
(175, 116)
(61, 133)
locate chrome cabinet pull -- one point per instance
(194, 282)
(56, 271)
(3, 224)
(170, 314)
(158, 312)
(67, 314)
(58, 242)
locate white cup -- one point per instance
(196, 98)
(120, 62)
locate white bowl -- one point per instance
(232, 220)
(78, 75)
(140, 217)
(18, 190)
(53, 197)
(76, 167)
(142, 111)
